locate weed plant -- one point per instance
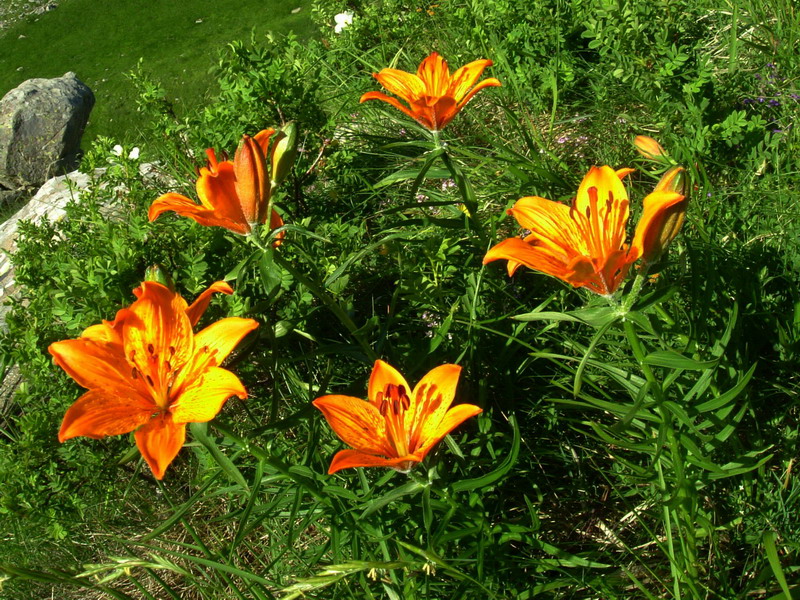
(637, 446)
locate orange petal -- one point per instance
(436, 116)
(92, 364)
(465, 77)
(434, 74)
(275, 222)
(199, 306)
(159, 334)
(346, 459)
(262, 138)
(220, 338)
(110, 411)
(517, 251)
(490, 82)
(551, 225)
(454, 417)
(202, 399)
(393, 101)
(187, 208)
(581, 271)
(608, 185)
(406, 85)
(217, 191)
(624, 172)
(648, 147)
(430, 401)
(382, 375)
(159, 441)
(356, 422)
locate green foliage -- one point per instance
(639, 447)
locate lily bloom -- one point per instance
(146, 371)
(434, 97)
(233, 194)
(395, 427)
(584, 244)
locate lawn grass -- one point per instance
(101, 42)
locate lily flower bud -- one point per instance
(251, 180)
(674, 180)
(284, 152)
(662, 219)
(159, 274)
(648, 147)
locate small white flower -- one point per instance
(343, 20)
(134, 155)
(117, 150)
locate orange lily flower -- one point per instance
(584, 244)
(146, 371)
(433, 96)
(233, 194)
(392, 428)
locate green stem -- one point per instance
(437, 142)
(467, 195)
(638, 283)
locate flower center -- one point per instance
(156, 372)
(394, 402)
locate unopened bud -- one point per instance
(662, 219)
(674, 180)
(158, 274)
(251, 180)
(284, 152)
(648, 147)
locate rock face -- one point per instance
(41, 124)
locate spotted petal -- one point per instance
(109, 411)
(159, 441)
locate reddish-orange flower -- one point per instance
(395, 427)
(433, 96)
(233, 194)
(146, 371)
(584, 244)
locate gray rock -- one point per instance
(41, 124)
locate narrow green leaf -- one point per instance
(729, 396)
(199, 432)
(412, 487)
(674, 360)
(576, 386)
(499, 472)
(775, 562)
